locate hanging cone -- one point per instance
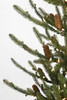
(47, 51)
(35, 88)
(58, 22)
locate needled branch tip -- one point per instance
(14, 6)
(54, 87)
(8, 82)
(4, 80)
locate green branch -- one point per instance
(56, 92)
(34, 6)
(32, 65)
(27, 15)
(36, 21)
(22, 68)
(55, 2)
(42, 11)
(63, 83)
(22, 45)
(57, 10)
(65, 25)
(45, 64)
(38, 35)
(44, 36)
(15, 87)
(47, 33)
(56, 43)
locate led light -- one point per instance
(43, 19)
(62, 29)
(52, 70)
(58, 60)
(64, 99)
(50, 59)
(65, 0)
(59, 87)
(64, 85)
(57, 49)
(43, 76)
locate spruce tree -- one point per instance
(54, 88)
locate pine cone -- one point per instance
(35, 88)
(58, 22)
(47, 51)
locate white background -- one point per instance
(12, 22)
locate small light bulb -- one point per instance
(50, 59)
(43, 19)
(57, 49)
(64, 85)
(58, 87)
(65, 0)
(43, 76)
(65, 72)
(64, 99)
(52, 70)
(58, 60)
(41, 82)
(62, 29)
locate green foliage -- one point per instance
(53, 86)
(16, 87)
(55, 2)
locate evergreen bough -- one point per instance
(56, 87)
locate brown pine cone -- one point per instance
(47, 51)
(58, 22)
(35, 88)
